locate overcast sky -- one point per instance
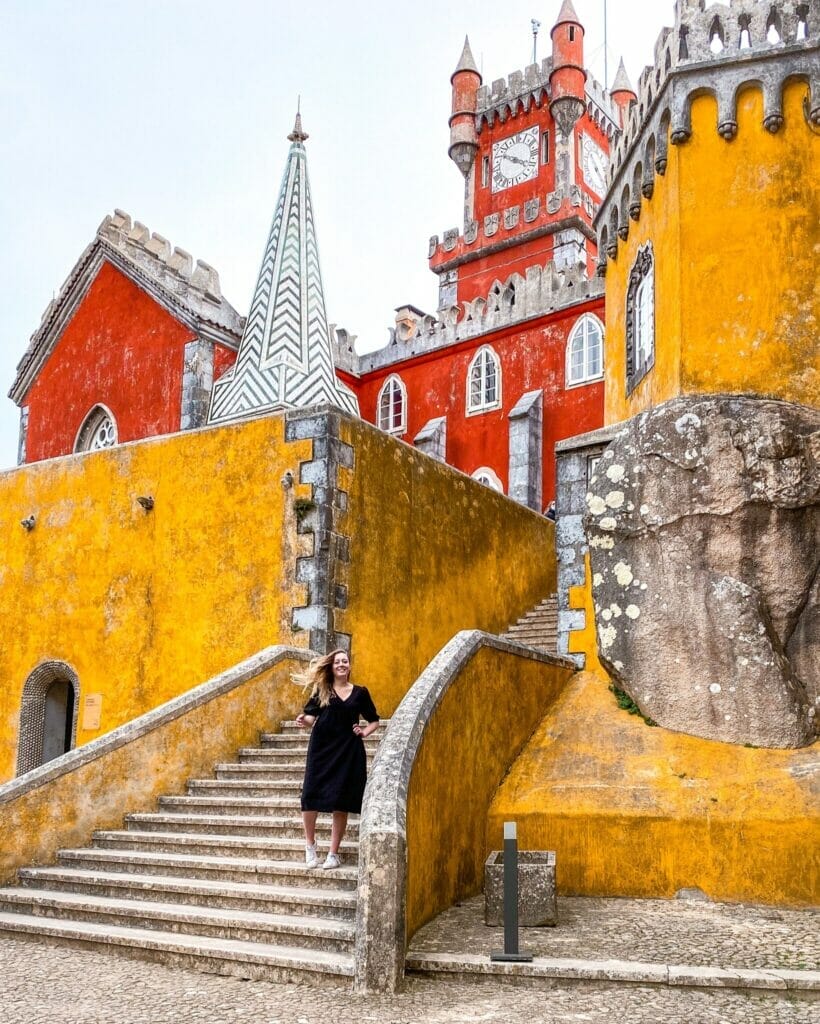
(177, 111)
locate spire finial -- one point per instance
(466, 61)
(621, 83)
(297, 135)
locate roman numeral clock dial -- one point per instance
(515, 159)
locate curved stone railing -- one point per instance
(61, 803)
(422, 841)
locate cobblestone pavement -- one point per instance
(657, 931)
(42, 985)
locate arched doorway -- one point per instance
(48, 715)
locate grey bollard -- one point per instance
(511, 952)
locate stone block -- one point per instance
(536, 889)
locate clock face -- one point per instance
(515, 159)
(594, 163)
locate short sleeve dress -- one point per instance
(336, 769)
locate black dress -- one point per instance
(336, 769)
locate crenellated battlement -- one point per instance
(713, 49)
(520, 298)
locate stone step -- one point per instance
(265, 772)
(299, 741)
(227, 869)
(273, 899)
(244, 787)
(289, 807)
(290, 725)
(257, 961)
(287, 849)
(286, 759)
(232, 824)
(243, 925)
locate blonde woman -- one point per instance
(336, 769)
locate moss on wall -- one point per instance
(431, 552)
(734, 226)
(633, 810)
(145, 605)
(482, 722)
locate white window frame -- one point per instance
(640, 318)
(492, 479)
(582, 326)
(97, 416)
(394, 380)
(484, 355)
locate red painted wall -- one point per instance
(120, 349)
(532, 357)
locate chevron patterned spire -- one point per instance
(285, 358)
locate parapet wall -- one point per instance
(714, 51)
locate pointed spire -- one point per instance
(297, 135)
(622, 83)
(285, 358)
(567, 13)
(466, 61)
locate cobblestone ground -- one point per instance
(45, 985)
(657, 931)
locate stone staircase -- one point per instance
(539, 627)
(214, 880)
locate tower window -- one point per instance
(485, 171)
(392, 407)
(585, 351)
(545, 147)
(572, 33)
(484, 382)
(640, 318)
(99, 430)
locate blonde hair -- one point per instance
(319, 677)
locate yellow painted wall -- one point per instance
(736, 231)
(64, 812)
(432, 552)
(637, 811)
(482, 722)
(144, 606)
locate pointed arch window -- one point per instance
(585, 351)
(640, 318)
(99, 430)
(484, 382)
(392, 406)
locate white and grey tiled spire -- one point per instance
(285, 358)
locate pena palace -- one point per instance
(140, 341)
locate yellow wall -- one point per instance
(637, 811)
(432, 552)
(64, 812)
(734, 226)
(482, 722)
(144, 606)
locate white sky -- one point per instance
(177, 111)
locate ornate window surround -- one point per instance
(385, 411)
(99, 430)
(582, 326)
(481, 361)
(641, 277)
(488, 477)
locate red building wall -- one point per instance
(531, 358)
(120, 349)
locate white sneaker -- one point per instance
(331, 861)
(311, 858)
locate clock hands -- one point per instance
(515, 159)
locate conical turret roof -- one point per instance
(466, 61)
(567, 13)
(622, 83)
(285, 358)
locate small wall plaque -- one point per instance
(92, 708)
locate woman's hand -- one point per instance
(358, 730)
(300, 720)
(364, 731)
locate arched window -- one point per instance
(484, 382)
(484, 475)
(48, 715)
(640, 318)
(585, 351)
(392, 408)
(99, 430)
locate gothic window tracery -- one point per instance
(484, 382)
(585, 351)
(99, 430)
(392, 407)
(640, 318)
